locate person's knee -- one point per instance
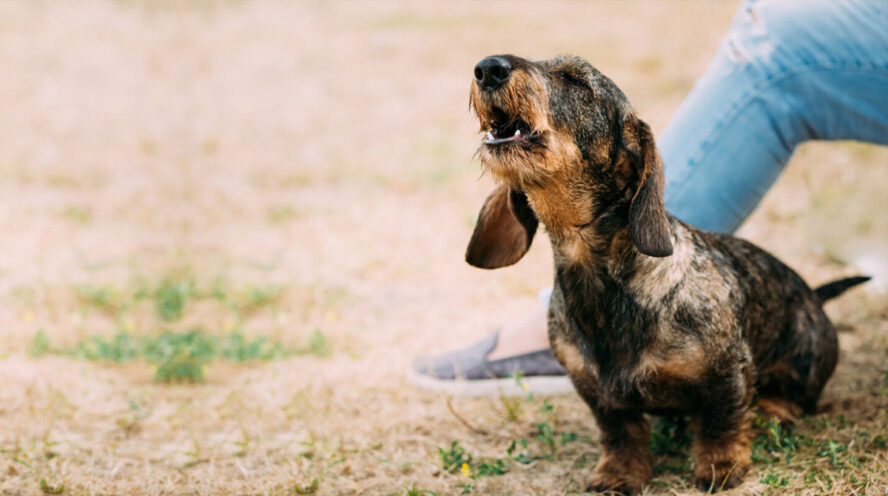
(771, 35)
(785, 36)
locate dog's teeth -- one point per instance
(489, 135)
(517, 132)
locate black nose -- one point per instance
(492, 72)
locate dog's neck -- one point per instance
(599, 254)
(592, 245)
(585, 232)
(560, 209)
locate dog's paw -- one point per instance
(720, 476)
(721, 464)
(612, 478)
(785, 411)
(603, 482)
(626, 472)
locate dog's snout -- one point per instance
(492, 72)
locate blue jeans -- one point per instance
(786, 72)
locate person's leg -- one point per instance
(785, 73)
(522, 335)
(490, 365)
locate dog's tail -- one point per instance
(832, 289)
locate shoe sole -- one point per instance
(546, 385)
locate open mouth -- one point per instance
(511, 131)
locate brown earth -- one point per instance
(327, 147)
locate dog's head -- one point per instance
(568, 149)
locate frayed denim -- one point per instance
(786, 72)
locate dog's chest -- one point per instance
(652, 381)
(657, 376)
(634, 352)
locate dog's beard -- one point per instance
(513, 163)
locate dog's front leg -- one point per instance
(626, 464)
(721, 445)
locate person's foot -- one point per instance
(489, 367)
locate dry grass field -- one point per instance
(276, 197)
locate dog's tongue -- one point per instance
(490, 139)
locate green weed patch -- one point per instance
(172, 297)
(180, 356)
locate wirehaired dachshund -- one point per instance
(648, 314)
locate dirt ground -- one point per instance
(327, 149)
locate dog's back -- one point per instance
(791, 341)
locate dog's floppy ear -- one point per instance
(648, 223)
(505, 228)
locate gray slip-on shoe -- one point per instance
(468, 372)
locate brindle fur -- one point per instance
(648, 314)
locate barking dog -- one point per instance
(648, 314)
